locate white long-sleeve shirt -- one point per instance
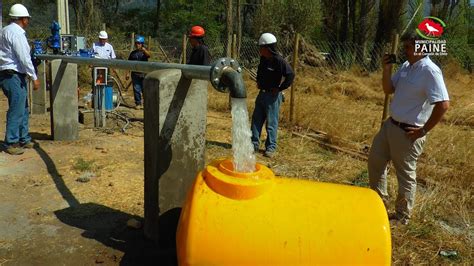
(15, 51)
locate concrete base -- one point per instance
(86, 117)
(38, 97)
(175, 125)
(64, 102)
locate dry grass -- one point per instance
(349, 106)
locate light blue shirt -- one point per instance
(417, 88)
(15, 51)
(105, 51)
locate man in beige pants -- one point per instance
(419, 102)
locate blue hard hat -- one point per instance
(140, 39)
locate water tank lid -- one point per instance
(221, 178)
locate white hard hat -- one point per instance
(103, 35)
(267, 38)
(19, 11)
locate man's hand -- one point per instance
(387, 61)
(36, 84)
(415, 133)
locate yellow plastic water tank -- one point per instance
(232, 218)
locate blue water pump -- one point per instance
(54, 41)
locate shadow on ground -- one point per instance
(108, 226)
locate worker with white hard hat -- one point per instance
(15, 66)
(270, 73)
(102, 48)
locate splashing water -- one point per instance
(244, 158)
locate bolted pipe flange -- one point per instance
(218, 68)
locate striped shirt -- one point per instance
(15, 51)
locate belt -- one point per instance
(11, 72)
(401, 125)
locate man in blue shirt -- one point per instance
(139, 54)
(15, 66)
(271, 70)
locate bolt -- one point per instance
(216, 80)
(223, 62)
(216, 69)
(232, 62)
(239, 69)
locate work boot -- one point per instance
(269, 154)
(15, 149)
(28, 145)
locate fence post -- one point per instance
(387, 96)
(132, 41)
(234, 46)
(184, 49)
(149, 42)
(295, 62)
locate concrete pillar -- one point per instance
(63, 99)
(38, 97)
(175, 125)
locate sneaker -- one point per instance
(28, 145)
(15, 149)
(269, 154)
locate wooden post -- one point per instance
(229, 27)
(239, 27)
(185, 42)
(295, 64)
(234, 46)
(104, 27)
(132, 41)
(387, 96)
(149, 43)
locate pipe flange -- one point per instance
(218, 68)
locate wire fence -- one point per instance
(324, 55)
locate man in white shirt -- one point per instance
(102, 48)
(15, 66)
(420, 101)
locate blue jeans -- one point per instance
(267, 107)
(14, 87)
(137, 89)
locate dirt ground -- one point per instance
(68, 202)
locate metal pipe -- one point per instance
(233, 80)
(225, 74)
(189, 71)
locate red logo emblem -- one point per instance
(431, 28)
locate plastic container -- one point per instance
(256, 218)
(109, 96)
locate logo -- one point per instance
(431, 29)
